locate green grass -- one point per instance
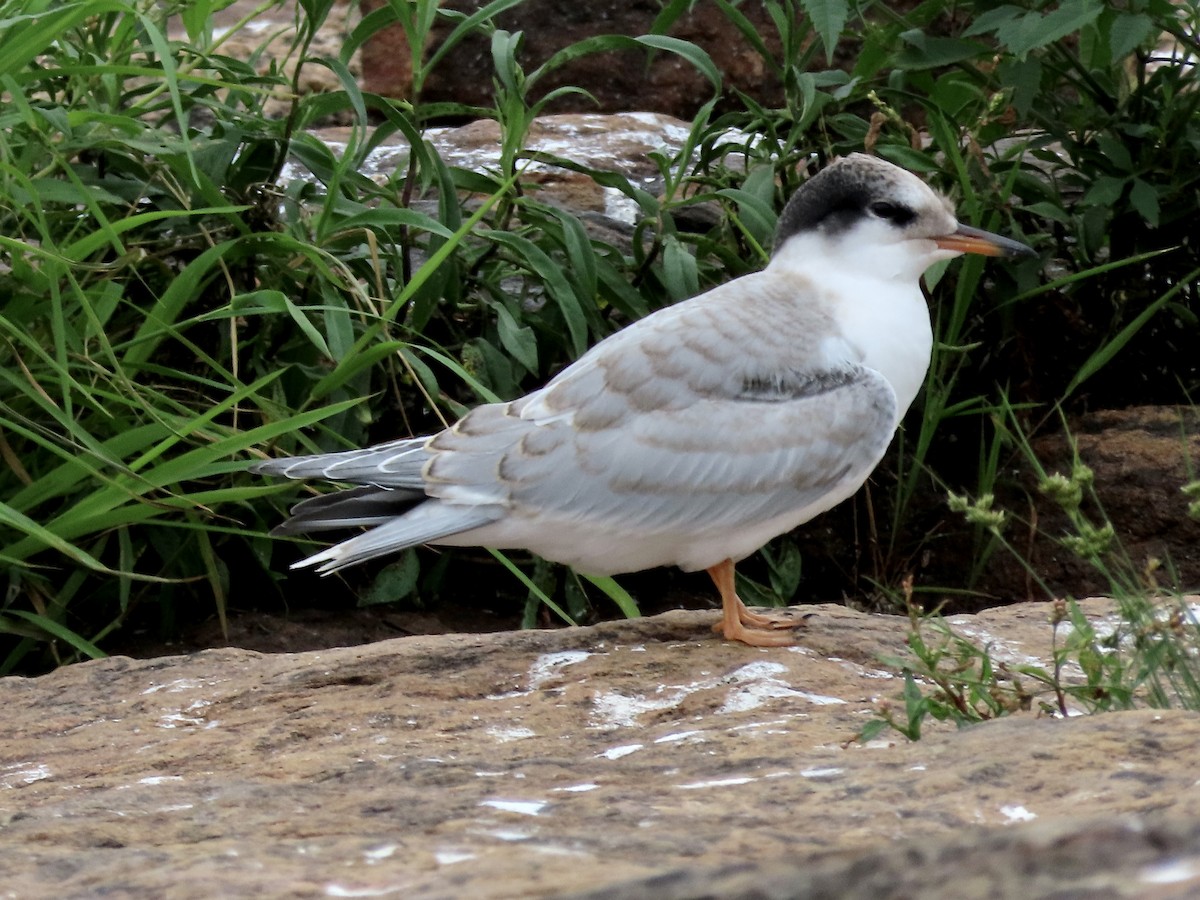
(1149, 658)
(169, 312)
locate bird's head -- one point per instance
(862, 210)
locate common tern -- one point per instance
(695, 435)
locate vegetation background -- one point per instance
(170, 311)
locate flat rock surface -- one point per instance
(587, 761)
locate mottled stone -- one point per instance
(524, 764)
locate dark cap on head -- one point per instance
(837, 196)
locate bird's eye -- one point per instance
(891, 212)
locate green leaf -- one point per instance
(744, 26)
(1105, 353)
(1105, 191)
(916, 707)
(265, 302)
(680, 276)
(466, 26)
(44, 537)
(533, 588)
(386, 220)
(689, 51)
(1091, 662)
(923, 51)
(616, 594)
(83, 248)
(1128, 32)
(395, 581)
(871, 730)
(551, 275)
(1069, 17)
(758, 217)
(504, 59)
(581, 255)
(486, 395)
(197, 21)
(992, 20)
(785, 566)
(84, 646)
(1024, 78)
(614, 42)
(1115, 152)
(619, 292)
(828, 18)
(1033, 30)
(517, 340)
(25, 36)
(1144, 198)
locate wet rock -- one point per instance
(526, 764)
(621, 143)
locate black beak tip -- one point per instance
(974, 240)
(1019, 250)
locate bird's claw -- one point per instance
(757, 636)
(759, 630)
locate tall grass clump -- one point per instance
(171, 308)
(125, 231)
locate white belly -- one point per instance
(605, 550)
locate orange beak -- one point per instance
(973, 240)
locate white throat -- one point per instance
(873, 292)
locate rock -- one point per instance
(525, 764)
(1125, 857)
(620, 143)
(626, 80)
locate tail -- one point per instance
(390, 499)
(360, 506)
(424, 523)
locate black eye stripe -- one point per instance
(843, 194)
(892, 212)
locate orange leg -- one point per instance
(740, 624)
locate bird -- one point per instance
(696, 434)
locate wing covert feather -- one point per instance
(718, 463)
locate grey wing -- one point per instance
(717, 464)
